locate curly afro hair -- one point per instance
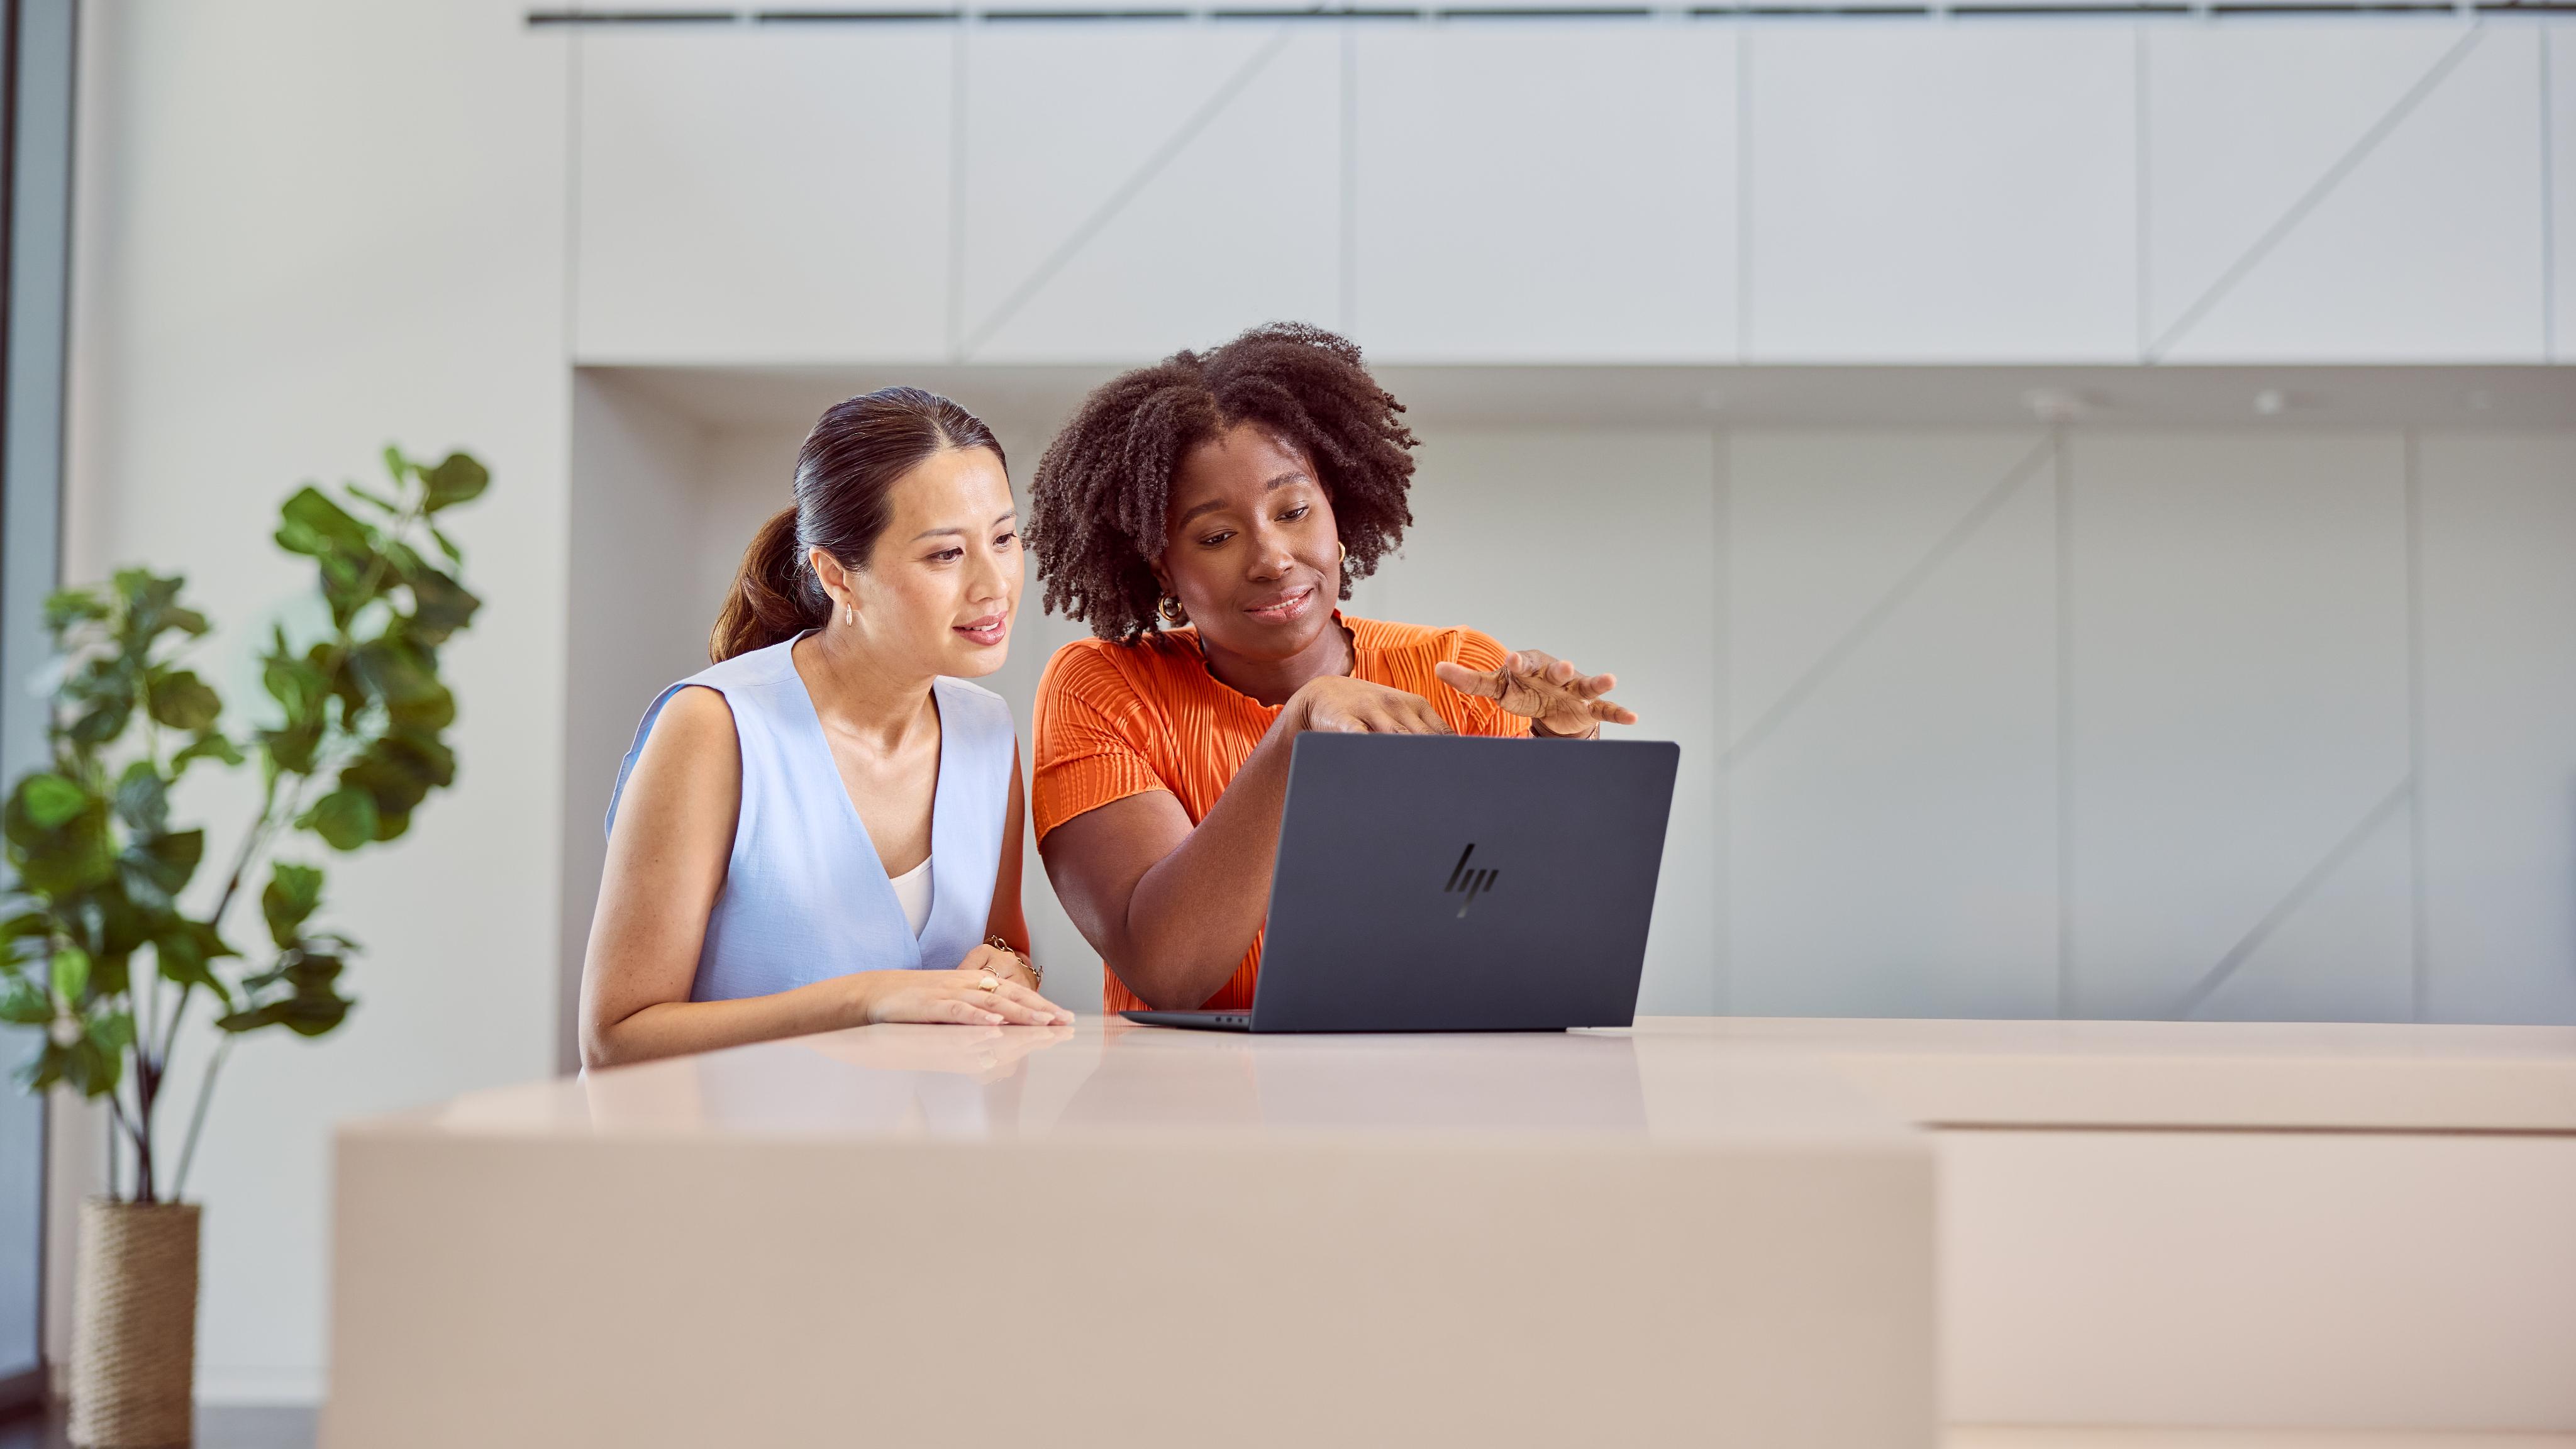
(1096, 506)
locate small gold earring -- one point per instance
(850, 615)
(1171, 611)
(1346, 553)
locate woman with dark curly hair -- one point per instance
(1202, 515)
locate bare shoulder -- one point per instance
(692, 747)
(693, 719)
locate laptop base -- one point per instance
(1194, 1020)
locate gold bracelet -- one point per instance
(1037, 977)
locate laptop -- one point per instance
(1448, 883)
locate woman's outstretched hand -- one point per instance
(1556, 697)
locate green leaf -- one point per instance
(143, 798)
(398, 772)
(446, 545)
(298, 684)
(112, 1032)
(102, 676)
(94, 1072)
(440, 605)
(102, 722)
(363, 496)
(67, 607)
(108, 975)
(401, 558)
(310, 523)
(209, 745)
(50, 801)
(186, 621)
(183, 701)
(397, 467)
(70, 972)
(292, 750)
(70, 857)
(148, 598)
(422, 719)
(24, 1003)
(458, 478)
(184, 952)
(345, 818)
(26, 925)
(313, 1004)
(396, 673)
(162, 865)
(294, 892)
(342, 683)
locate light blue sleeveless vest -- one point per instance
(805, 897)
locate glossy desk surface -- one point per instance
(1675, 1079)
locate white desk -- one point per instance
(1713, 1231)
(937, 1235)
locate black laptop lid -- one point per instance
(1441, 883)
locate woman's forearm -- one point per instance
(677, 1028)
(1194, 913)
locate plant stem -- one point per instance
(262, 829)
(142, 1154)
(249, 849)
(197, 1119)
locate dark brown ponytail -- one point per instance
(845, 477)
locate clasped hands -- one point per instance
(1557, 699)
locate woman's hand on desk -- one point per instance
(1556, 697)
(953, 996)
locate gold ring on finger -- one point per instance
(990, 982)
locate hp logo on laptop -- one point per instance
(1474, 882)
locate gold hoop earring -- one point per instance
(1171, 611)
(1346, 553)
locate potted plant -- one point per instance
(109, 948)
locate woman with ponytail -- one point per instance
(823, 829)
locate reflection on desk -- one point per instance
(939, 1081)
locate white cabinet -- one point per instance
(1643, 190)
(1545, 191)
(762, 195)
(1940, 193)
(2560, 59)
(1137, 187)
(2344, 192)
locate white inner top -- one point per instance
(913, 889)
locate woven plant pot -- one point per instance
(134, 1325)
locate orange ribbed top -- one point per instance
(1115, 720)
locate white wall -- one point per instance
(636, 619)
(306, 229)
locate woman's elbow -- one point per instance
(603, 1044)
